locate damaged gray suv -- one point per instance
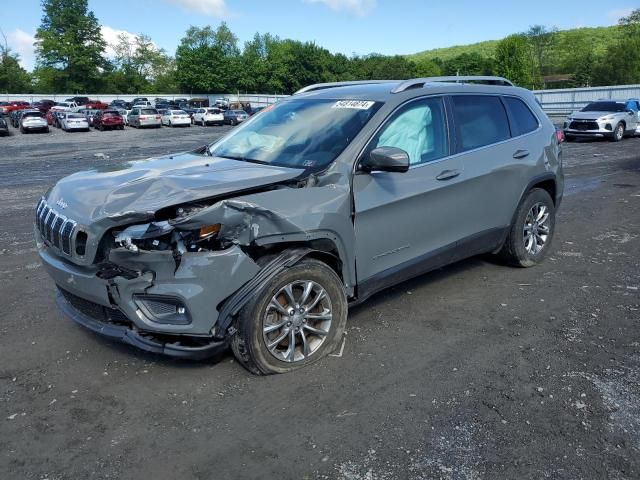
(261, 240)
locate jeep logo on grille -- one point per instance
(62, 204)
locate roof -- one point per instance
(383, 91)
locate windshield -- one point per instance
(604, 107)
(75, 115)
(298, 133)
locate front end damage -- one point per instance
(172, 285)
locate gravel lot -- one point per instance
(476, 371)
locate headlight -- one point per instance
(608, 117)
(208, 231)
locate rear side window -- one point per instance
(419, 129)
(523, 121)
(480, 120)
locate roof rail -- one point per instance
(323, 86)
(420, 82)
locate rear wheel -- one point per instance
(530, 236)
(297, 318)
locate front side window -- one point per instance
(480, 120)
(419, 129)
(523, 121)
(300, 133)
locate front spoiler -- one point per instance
(129, 336)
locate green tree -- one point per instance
(427, 68)
(69, 47)
(140, 67)
(468, 64)
(621, 64)
(512, 60)
(13, 78)
(541, 43)
(208, 60)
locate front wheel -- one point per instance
(530, 236)
(297, 318)
(618, 133)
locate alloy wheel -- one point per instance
(297, 321)
(536, 228)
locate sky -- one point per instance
(346, 26)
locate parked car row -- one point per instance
(112, 118)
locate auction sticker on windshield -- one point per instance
(357, 104)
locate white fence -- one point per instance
(566, 100)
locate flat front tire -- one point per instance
(294, 320)
(531, 233)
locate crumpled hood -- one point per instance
(140, 188)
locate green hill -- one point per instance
(596, 39)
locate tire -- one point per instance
(249, 343)
(232, 122)
(520, 249)
(121, 127)
(101, 128)
(46, 130)
(618, 132)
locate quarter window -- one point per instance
(419, 129)
(522, 120)
(480, 120)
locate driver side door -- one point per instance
(405, 222)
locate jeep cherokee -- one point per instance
(261, 240)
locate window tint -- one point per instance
(480, 120)
(523, 121)
(419, 129)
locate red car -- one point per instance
(108, 119)
(8, 107)
(96, 105)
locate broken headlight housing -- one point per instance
(163, 235)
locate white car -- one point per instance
(74, 121)
(66, 107)
(142, 105)
(176, 118)
(208, 116)
(32, 121)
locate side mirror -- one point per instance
(386, 159)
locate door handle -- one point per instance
(521, 154)
(448, 175)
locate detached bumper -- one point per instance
(145, 342)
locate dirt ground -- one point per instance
(476, 371)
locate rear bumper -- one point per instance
(142, 341)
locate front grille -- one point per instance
(584, 125)
(56, 229)
(94, 310)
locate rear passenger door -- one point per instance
(499, 158)
(405, 222)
